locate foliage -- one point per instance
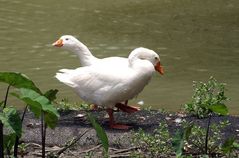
(39, 104)
(207, 97)
(197, 138)
(100, 132)
(18, 80)
(11, 120)
(179, 139)
(22, 149)
(9, 141)
(65, 105)
(89, 155)
(229, 147)
(155, 145)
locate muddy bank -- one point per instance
(73, 124)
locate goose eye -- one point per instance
(67, 39)
(155, 58)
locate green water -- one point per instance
(196, 39)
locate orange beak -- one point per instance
(159, 68)
(58, 43)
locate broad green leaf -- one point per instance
(100, 132)
(18, 80)
(219, 109)
(51, 94)
(9, 140)
(11, 120)
(38, 103)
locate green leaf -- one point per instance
(100, 132)
(11, 120)
(51, 94)
(178, 143)
(219, 109)
(9, 141)
(179, 138)
(18, 80)
(38, 103)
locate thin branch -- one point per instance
(120, 155)
(125, 150)
(91, 149)
(73, 142)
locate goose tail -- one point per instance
(64, 78)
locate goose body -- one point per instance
(105, 86)
(108, 83)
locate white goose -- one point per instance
(109, 84)
(86, 58)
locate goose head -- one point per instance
(67, 42)
(147, 54)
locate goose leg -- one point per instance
(127, 108)
(112, 122)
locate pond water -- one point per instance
(195, 39)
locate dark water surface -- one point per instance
(196, 40)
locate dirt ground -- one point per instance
(73, 124)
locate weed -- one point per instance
(156, 144)
(197, 138)
(65, 105)
(39, 103)
(206, 95)
(89, 154)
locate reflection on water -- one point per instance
(196, 39)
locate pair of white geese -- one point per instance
(109, 81)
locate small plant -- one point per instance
(89, 154)
(229, 147)
(198, 134)
(208, 99)
(180, 138)
(39, 103)
(22, 149)
(156, 144)
(206, 95)
(65, 105)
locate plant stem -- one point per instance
(43, 134)
(17, 138)
(207, 133)
(6, 96)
